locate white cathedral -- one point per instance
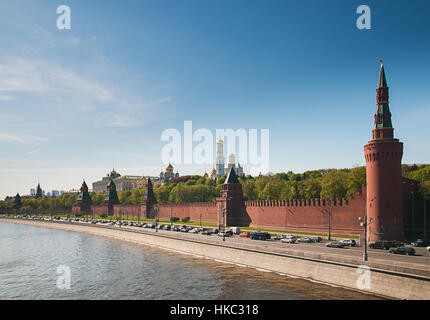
(220, 168)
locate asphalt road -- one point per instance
(420, 260)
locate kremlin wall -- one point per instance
(385, 188)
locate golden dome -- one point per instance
(169, 167)
(213, 172)
(206, 175)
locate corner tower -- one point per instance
(383, 156)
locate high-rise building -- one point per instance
(383, 156)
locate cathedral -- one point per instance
(165, 177)
(220, 168)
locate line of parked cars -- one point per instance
(398, 247)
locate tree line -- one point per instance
(324, 183)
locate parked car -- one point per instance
(167, 227)
(195, 230)
(245, 234)
(260, 236)
(316, 239)
(305, 240)
(279, 237)
(403, 250)
(214, 231)
(383, 244)
(235, 230)
(288, 240)
(224, 234)
(349, 242)
(206, 232)
(421, 243)
(428, 248)
(336, 244)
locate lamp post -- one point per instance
(156, 219)
(364, 224)
(425, 231)
(323, 211)
(223, 223)
(329, 224)
(200, 220)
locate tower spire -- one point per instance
(382, 79)
(382, 119)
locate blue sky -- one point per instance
(73, 101)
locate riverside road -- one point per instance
(418, 264)
(420, 261)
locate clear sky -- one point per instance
(73, 101)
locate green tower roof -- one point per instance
(232, 177)
(382, 79)
(383, 114)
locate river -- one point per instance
(33, 259)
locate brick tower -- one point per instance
(233, 202)
(111, 197)
(149, 200)
(383, 156)
(84, 199)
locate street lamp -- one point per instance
(156, 219)
(365, 222)
(200, 220)
(329, 220)
(223, 223)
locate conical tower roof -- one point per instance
(382, 79)
(232, 177)
(383, 114)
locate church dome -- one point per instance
(231, 158)
(169, 167)
(114, 174)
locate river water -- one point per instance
(102, 268)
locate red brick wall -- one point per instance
(308, 215)
(125, 210)
(99, 210)
(193, 210)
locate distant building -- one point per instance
(55, 193)
(32, 192)
(166, 177)
(220, 162)
(122, 183)
(39, 192)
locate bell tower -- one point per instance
(383, 156)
